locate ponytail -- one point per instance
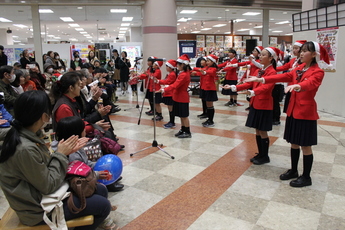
(61, 87)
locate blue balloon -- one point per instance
(112, 164)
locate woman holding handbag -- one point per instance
(29, 171)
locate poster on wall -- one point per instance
(132, 52)
(187, 47)
(246, 38)
(10, 55)
(83, 50)
(237, 41)
(17, 53)
(328, 38)
(209, 41)
(219, 41)
(200, 41)
(257, 38)
(227, 41)
(273, 41)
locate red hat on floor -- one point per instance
(213, 58)
(299, 43)
(274, 52)
(171, 63)
(183, 59)
(321, 52)
(259, 48)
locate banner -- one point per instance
(328, 38)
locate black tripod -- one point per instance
(154, 142)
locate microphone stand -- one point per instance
(154, 142)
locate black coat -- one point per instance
(124, 69)
(3, 59)
(72, 64)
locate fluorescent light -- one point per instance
(239, 20)
(83, 32)
(123, 28)
(45, 11)
(118, 10)
(227, 33)
(277, 31)
(289, 34)
(86, 35)
(79, 7)
(125, 24)
(127, 19)
(89, 37)
(122, 32)
(182, 20)
(283, 22)
(188, 11)
(57, 37)
(251, 13)
(67, 19)
(227, 10)
(15, 36)
(73, 39)
(206, 29)
(74, 25)
(257, 27)
(20, 25)
(16, 41)
(43, 33)
(50, 35)
(101, 39)
(243, 29)
(4, 20)
(195, 32)
(79, 29)
(219, 25)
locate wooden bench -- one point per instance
(11, 221)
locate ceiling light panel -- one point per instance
(219, 25)
(5, 20)
(121, 11)
(206, 29)
(45, 11)
(127, 19)
(251, 13)
(283, 22)
(20, 25)
(188, 11)
(74, 25)
(67, 19)
(79, 29)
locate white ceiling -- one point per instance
(91, 16)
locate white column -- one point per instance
(136, 34)
(265, 27)
(36, 25)
(5, 38)
(159, 29)
(308, 5)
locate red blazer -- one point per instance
(198, 73)
(157, 74)
(179, 88)
(263, 99)
(171, 78)
(302, 104)
(230, 71)
(209, 79)
(288, 66)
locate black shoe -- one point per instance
(115, 187)
(120, 178)
(261, 160)
(115, 110)
(276, 123)
(185, 135)
(300, 182)
(288, 175)
(208, 123)
(255, 157)
(149, 113)
(203, 116)
(158, 118)
(179, 133)
(122, 146)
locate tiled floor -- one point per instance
(212, 185)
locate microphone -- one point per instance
(156, 59)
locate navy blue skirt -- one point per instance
(181, 109)
(167, 100)
(208, 95)
(300, 132)
(158, 97)
(228, 91)
(260, 119)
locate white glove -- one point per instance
(233, 88)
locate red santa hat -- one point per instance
(259, 48)
(299, 43)
(213, 58)
(321, 54)
(184, 59)
(274, 52)
(171, 63)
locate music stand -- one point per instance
(154, 142)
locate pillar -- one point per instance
(36, 25)
(5, 38)
(265, 27)
(136, 35)
(159, 30)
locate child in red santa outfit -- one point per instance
(261, 104)
(301, 125)
(196, 72)
(208, 88)
(230, 77)
(167, 96)
(180, 95)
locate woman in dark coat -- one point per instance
(124, 65)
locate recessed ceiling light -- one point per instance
(219, 25)
(16, 41)
(227, 33)
(83, 32)
(277, 31)
(239, 20)
(195, 32)
(251, 13)
(243, 29)
(122, 32)
(5, 20)
(45, 11)
(73, 39)
(206, 29)
(22, 1)
(86, 35)
(15, 36)
(123, 28)
(79, 7)
(118, 11)
(67, 19)
(219, 17)
(74, 25)
(127, 19)
(101, 39)
(283, 22)
(50, 35)
(125, 24)
(284, 12)
(227, 10)
(79, 29)
(257, 27)
(271, 19)
(188, 11)
(289, 34)
(43, 33)
(182, 20)
(20, 25)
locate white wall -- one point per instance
(329, 97)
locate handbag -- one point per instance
(108, 145)
(82, 182)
